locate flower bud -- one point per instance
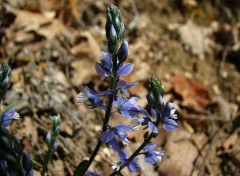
(56, 144)
(123, 51)
(49, 137)
(156, 87)
(112, 34)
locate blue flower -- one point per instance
(89, 173)
(122, 89)
(123, 157)
(167, 116)
(126, 108)
(104, 68)
(90, 95)
(148, 121)
(9, 116)
(152, 156)
(108, 135)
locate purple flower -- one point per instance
(123, 157)
(122, 89)
(152, 156)
(148, 121)
(104, 68)
(108, 135)
(167, 116)
(126, 108)
(90, 95)
(89, 173)
(9, 116)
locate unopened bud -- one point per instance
(123, 51)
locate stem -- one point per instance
(46, 160)
(136, 153)
(106, 118)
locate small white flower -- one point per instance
(116, 165)
(125, 141)
(136, 123)
(123, 93)
(16, 116)
(82, 97)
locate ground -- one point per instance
(192, 46)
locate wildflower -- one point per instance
(9, 116)
(168, 117)
(104, 68)
(152, 156)
(148, 121)
(126, 108)
(108, 135)
(123, 157)
(122, 89)
(90, 95)
(136, 122)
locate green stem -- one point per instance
(46, 161)
(106, 118)
(140, 148)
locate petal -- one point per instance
(149, 147)
(114, 145)
(133, 100)
(152, 127)
(144, 111)
(124, 128)
(151, 158)
(89, 173)
(133, 167)
(167, 109)
(131, 84)
(106, 60)
(154, 114)
(107, 92)
(121, 84)
(107, 136)
(7, 117)
(125, 69)
(118, 102)
(100, 70)
(170, 125)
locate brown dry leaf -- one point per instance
(37, 22)
(87, 52)
(195, 38)
(193, 94)
(179, 158)
(56, 168)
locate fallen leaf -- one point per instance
(193, 94)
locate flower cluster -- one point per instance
(112, 64)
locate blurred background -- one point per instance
(192, 46)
